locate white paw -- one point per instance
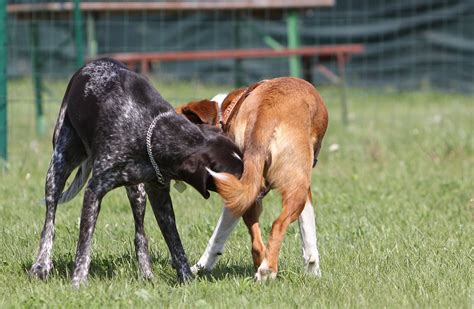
(312, 265)
(264, 273)
(195, 269)
(313, 269)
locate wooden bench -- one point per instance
(341, 52)
(300, 58)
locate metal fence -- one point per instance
(408, 44)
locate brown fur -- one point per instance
(279, 128)
(198, 112)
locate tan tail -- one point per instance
(240, 194)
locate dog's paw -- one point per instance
(41, 270)
(264, 272)
(196, 269)
(147, 274)
(312, 266)
(185, 277)
(145, 269)
(184, 274)
(313, 269)
(78, 282)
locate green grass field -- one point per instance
(394, 207)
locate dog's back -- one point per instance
(279, 128)
(99, 91)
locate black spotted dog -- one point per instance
(114, 124)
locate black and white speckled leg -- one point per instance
(55, 181)
(163, 209)
(137, 197)
(68, 153)
(93, 195)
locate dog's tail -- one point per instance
(78, 183)
(85, 168)
(240, 194)
(62, 111)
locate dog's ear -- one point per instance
(198, 112)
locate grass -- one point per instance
(394, 206)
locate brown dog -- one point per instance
(279, 125)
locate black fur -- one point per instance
(102, 126)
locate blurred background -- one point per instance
(192, 49)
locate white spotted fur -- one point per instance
(100, 74)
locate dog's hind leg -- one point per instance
(309, 240)
(93, 194)
(68, 154)
(215, 246)
(163, 209)
(293, 204)
(251, 220)
(137, 197)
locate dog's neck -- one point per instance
(149, 149)
(231, 104)
(227, 112)
(166, 150)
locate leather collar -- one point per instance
(234, 106)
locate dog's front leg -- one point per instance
(90, 211)
(215, 246)
(163, 209)
(137, 197)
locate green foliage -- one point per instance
(394, 210)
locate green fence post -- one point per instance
(37, 78)
(341, 63)
(3, 81)
(91, 36)
(293, 42)
(78, 34)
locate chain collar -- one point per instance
(149, 134)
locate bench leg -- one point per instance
(144, 67)
(341, 65)
(307, 64)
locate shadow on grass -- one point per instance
(107, 267)
(101, 267)
(221, 272)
